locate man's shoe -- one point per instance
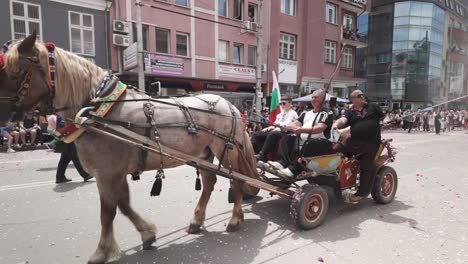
(286, 173)
(260, 157)
(87, 178)
(276, 165)
(10, 150)
(260, 164)
(63, 180)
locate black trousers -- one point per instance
(367, 152)
(410, 126)
(437, 125)
(69, 154)
(269, 140)
(289, 152)
(425, 126)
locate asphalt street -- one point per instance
(42, 222)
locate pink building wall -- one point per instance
(308, 26)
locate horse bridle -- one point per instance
(26, 77)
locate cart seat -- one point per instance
(325, 163)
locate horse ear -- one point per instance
(26, 46)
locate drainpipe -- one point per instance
(119, 50)
(107, 18)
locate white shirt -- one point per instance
(307, 121)
(286, 118)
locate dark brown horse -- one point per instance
(110, 160)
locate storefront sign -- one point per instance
(236, 72)
(130, 57)
(287, 71)
(163, 65)
(214, 86)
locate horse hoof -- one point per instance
(194, 229)
(232, 228)
(148, 244)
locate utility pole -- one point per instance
(141, 71)
(258, 86)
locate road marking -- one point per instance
(31, 160)
(32, 184)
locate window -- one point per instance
(223, 51)
(252, 13)
(288, 7)
(331, 13)
(287, 46)
(25, 19)
(252, 60)
(182, 44)
(238, 53)
(238, 7)
(145, 36)
(222, 7)
(81, 33)
(382, 58)
(330, 52)
(347, 60)
(348, 21)
(162, 41)
(182, 2)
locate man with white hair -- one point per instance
(312, 129)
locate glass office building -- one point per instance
(417, 48)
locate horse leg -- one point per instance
(147, 229)
(107, 247)
(237, 214)
(209, 180)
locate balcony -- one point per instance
(352, 38)
(457, 56)
(458, 35)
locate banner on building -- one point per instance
(130, 57)
(236, 72)
(287, 71)
(163, 65)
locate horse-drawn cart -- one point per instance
(335, 172)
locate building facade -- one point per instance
(409, 58)
(211, 44)
(190, 46)
(78, 26)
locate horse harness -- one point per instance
(26, 77)
(151, 127)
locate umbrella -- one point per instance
(307, 99)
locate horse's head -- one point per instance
(24, 79)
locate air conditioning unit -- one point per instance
(121, 40)
(253, 26)
(121, 26)
(264, 67)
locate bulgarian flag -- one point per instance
(275, 108)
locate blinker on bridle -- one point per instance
(24, 83)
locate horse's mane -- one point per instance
(76, 78)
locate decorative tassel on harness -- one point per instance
(198, 182)
(157, 186)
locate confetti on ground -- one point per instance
(320, 259)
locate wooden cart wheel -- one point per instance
(309, 208)
(385, 186)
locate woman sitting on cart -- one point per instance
(312, 130)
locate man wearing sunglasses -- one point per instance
(364, 121)
(272, 134)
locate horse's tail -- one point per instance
(247, 158)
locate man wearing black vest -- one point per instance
(364, 120)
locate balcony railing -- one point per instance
(351, 37)
(457, 55)
(458, 34)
